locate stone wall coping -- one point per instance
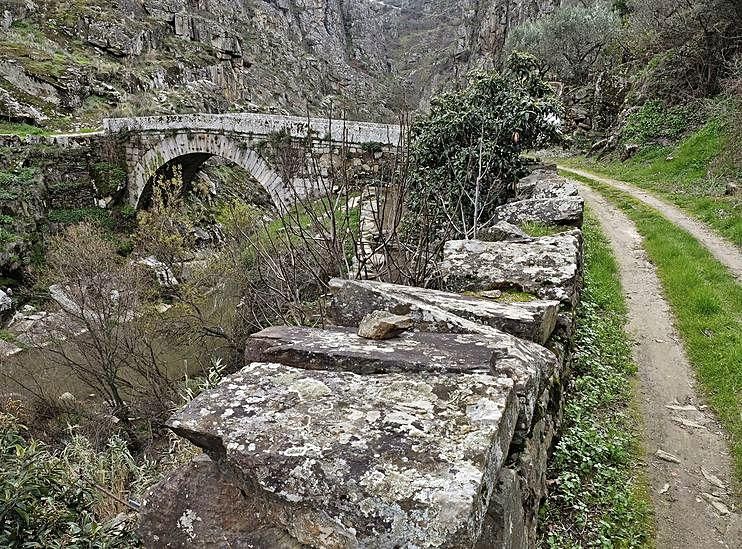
(261, 124)
(60, 139)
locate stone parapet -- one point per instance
(348, 131)
(438, 437)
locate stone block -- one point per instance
(548, 267)
(339, 349)
(390, 460)
(199, 505)
(504, 525)
(549, 211)
(437, 311)
(543, 184)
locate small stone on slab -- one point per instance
(383, 325)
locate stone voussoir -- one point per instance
(437, 311)
(392, 460)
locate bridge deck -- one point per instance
(261, 124)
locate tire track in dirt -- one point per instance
(692, 498)
(724, 251)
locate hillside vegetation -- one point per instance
(695, 172)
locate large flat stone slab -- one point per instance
(436, 311)
(340, 349)
(548, 267)
(544, 184)
(567, 210)
(389, 460)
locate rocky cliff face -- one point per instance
(79, 59)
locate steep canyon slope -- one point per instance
(66, 63)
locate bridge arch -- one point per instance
(193, 149)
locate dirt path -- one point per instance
(691, 497)
(723, 250)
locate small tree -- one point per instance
(109, 340)
(466, 151)
(572, 43)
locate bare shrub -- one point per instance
(111, 339)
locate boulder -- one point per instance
(383, 325)
(165, 276)
(436, 311)
(628, 150)
(199, 506)
(550, 211)
(389, 460)
(339, 349)
(502, 230)
(6, 303)
(67, 304)
(42, 328)
(548, 267)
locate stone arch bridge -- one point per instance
(154, 143)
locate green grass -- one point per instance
(691, 175)
(514, 296)
(707, 305)
(598, 496)
(18, 128)
(531, 228)
(70, 216)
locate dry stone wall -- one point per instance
(438, 437)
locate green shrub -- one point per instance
(108, 178)
(372, 147)
(655, 121)
(466, 151)
(43, 500)
(7, 236)
(70, 216)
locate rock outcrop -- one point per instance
(438, 437)
(6, 304)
